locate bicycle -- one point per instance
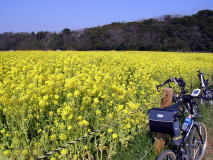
(206, 91)
(180, 121)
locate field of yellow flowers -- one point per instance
(48, 98)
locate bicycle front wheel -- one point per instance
(167, 155)
(197, 142)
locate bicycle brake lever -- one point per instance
(158, 86)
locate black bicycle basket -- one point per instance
(164, 120)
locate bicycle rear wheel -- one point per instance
(197, 142)
(167, 155)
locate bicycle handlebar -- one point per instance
(182, 97)
(201, 78)
(181, 84)
(207, 93)
(178, 81)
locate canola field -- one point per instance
(48, 98)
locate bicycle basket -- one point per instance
(164, 121)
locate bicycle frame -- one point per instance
(201, 77)
(179, 150)
(194, 124)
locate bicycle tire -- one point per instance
(196, 149)
(167, 155)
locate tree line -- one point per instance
(168, 33)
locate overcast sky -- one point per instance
(55, 15)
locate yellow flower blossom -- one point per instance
(63, 137)
(69, 127)
(76, 93)
(79, 117)
(85, 147)
(7, 152)
(24, 152)
(53, 137)
(57, 97)
(46, 97)
(98, 112)
(110, 130)
(69, 95)
(96, 100)
(83, 123)
(51, 113)
(64, 151)
(114, 135)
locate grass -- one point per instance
(207, 115)
(137, 149)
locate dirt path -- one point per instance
(208, 121)
(209, 150)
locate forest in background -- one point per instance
(167, 33)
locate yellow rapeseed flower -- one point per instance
(96, 100)
(69, 127)
(7, 152)
(46, 97)
(98, 112)
(57, 96)
(85, 147)
(83, 123)
(114, 135)
(76, 93)
(79, 117)
(24, 152)
(51, 113)
(53, 137)
(110, 130)
(64, 151)
(63, 137)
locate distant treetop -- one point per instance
(167, 33)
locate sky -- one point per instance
(55, 15)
